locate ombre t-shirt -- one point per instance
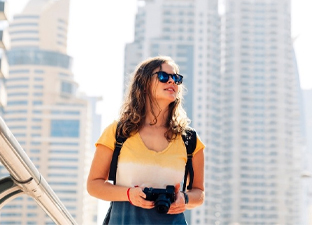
(140, 166)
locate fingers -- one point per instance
(179, 205)
(137, 198)
(177, 188)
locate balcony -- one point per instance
(3, 96)
(3, 10)
(4, 66)
(4, 39)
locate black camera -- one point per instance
(162, 197)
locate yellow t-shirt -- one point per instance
(138, 165)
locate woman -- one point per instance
(154, 155)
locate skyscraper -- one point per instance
(3, 60)
(307, 213)
(243, 98)
(263, 127)
(46, 114)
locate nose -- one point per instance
(170, 80)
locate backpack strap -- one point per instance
(190, 140)
(113, 166)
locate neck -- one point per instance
(159, 118)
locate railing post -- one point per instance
(25, 178)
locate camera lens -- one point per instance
(162, 204)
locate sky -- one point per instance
(99, 29)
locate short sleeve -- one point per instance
(108, 136)
(199, 144)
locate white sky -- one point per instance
(99, 30)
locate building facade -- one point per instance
(46, 114)
(243, 98)
(263, 126)
(4, 44)
(307, 161)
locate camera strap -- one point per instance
(190, 140)
(113, 166)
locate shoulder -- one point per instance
(107, 138)
(111, 128)
(189, 133)
(191, 137)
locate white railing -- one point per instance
(25, 179)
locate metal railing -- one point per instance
(25, 179)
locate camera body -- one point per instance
(162, 197)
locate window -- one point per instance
(38, 86)
(17, 103)
(24, 24)
(38, 71)
(66, 87)
(35, 56)
(60, 151)
(17, 86)
(63, 167)
(65, 128)
(26, 17)
(17, 94)
(37, 102)
(15, 111)
(18, 71)
(57, 112)
(17, 79)
(24, 39)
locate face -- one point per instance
(164, 92)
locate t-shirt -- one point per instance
(140, 166)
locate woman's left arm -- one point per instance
(197, 194)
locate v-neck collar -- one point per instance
(142, 142)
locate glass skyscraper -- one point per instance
(46, 114)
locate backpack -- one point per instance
(189, 139)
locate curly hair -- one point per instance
(133, 111)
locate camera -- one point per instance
(162, 197)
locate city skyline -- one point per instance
(90, 86)
(100, 14)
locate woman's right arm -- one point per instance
(99, 187)
(97, 184)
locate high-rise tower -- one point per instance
(261, 114)
(45, 112)
(307, 204)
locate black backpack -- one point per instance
(189, 139)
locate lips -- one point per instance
(170, 89)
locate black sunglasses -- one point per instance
(164, 77)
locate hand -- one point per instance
(137, 198)
(178, 206)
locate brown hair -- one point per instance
(133, 111)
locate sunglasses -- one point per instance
(163, 77)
